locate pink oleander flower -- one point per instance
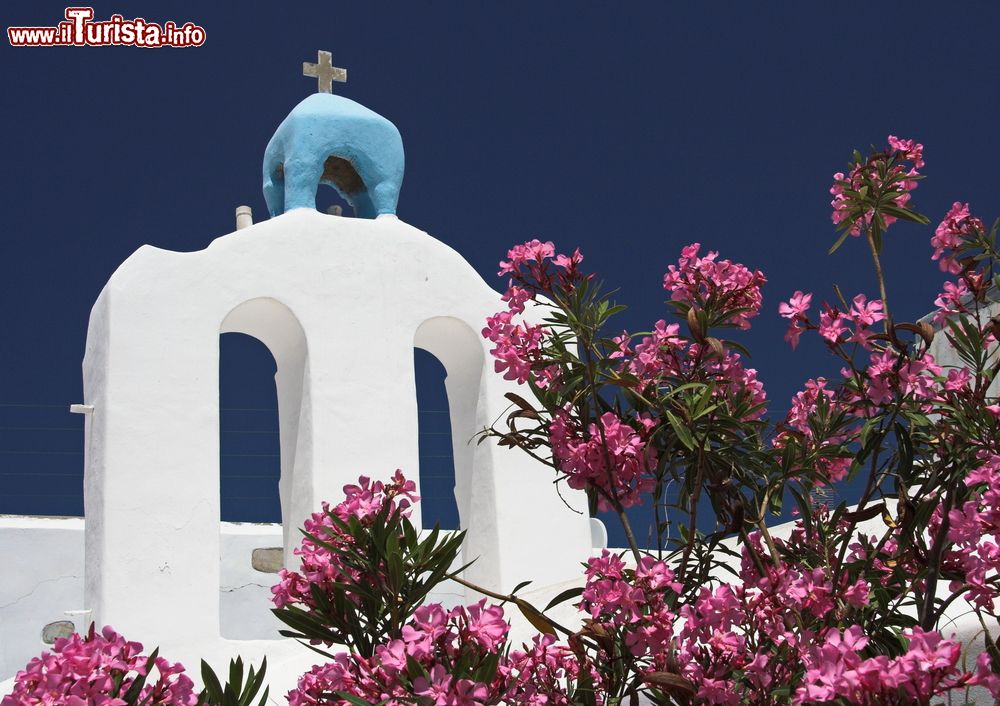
(893, 375)
(654, 354)
(951, 301)
(847, 189)
(974, 528)
(635, 601)
(540, 675)
(950, 233)
(804, 407)
(583, 455)
(421, 663)
(97, 670)
(836, 669)
(516, 297)
(708, 282)
(865, 313)
(858, 594)
(794, 333)
(531, 254)
(568, 262)
(795, 309)
(911, 149)
(958, 379)
(321, 567)
(518, 346)
(663, 357)
(484, 625)
(832, 325)
(535, 267)
(535, 270)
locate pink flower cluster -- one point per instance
(663, 359)
(535, 269)
(891, 375)
(852, 194)
(957, 232)
(585, 457)
(733, 643)
(616, 597)
(321, 567)
(834, 326)
(954, 231)
(795, 310)
(97, 670)
(531, 265)
(720, 285)
(433, 638)
(541, 674)
(835, 669)
(516, 345)
(435, 661)
(830, 465)
(974, 530)
(951, 301)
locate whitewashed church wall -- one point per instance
(42, 560)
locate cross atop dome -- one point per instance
(324, 71)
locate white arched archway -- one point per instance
(274, 325)
(460, 351)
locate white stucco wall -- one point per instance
(43, 578)
(43, 563)
(42, 560)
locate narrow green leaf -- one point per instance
(682, 432)
(564, 596)
(840, 241)
(211, 682)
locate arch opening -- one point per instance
(249, 463)
(459, 352)
(436, 453)
(333, 192)
(263, 389)
(346, 186)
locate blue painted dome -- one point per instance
(329, 139)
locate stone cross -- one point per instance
(324, 71)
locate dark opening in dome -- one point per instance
(340, 173)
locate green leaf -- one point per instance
(904, 214)
(682, 432)
(211, 682)
(905, 450)
(351, 698)
(255, 681)
(519, 586)
(140, 681)
(564, 596)
(840, 241)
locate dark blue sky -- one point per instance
(628, 129)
